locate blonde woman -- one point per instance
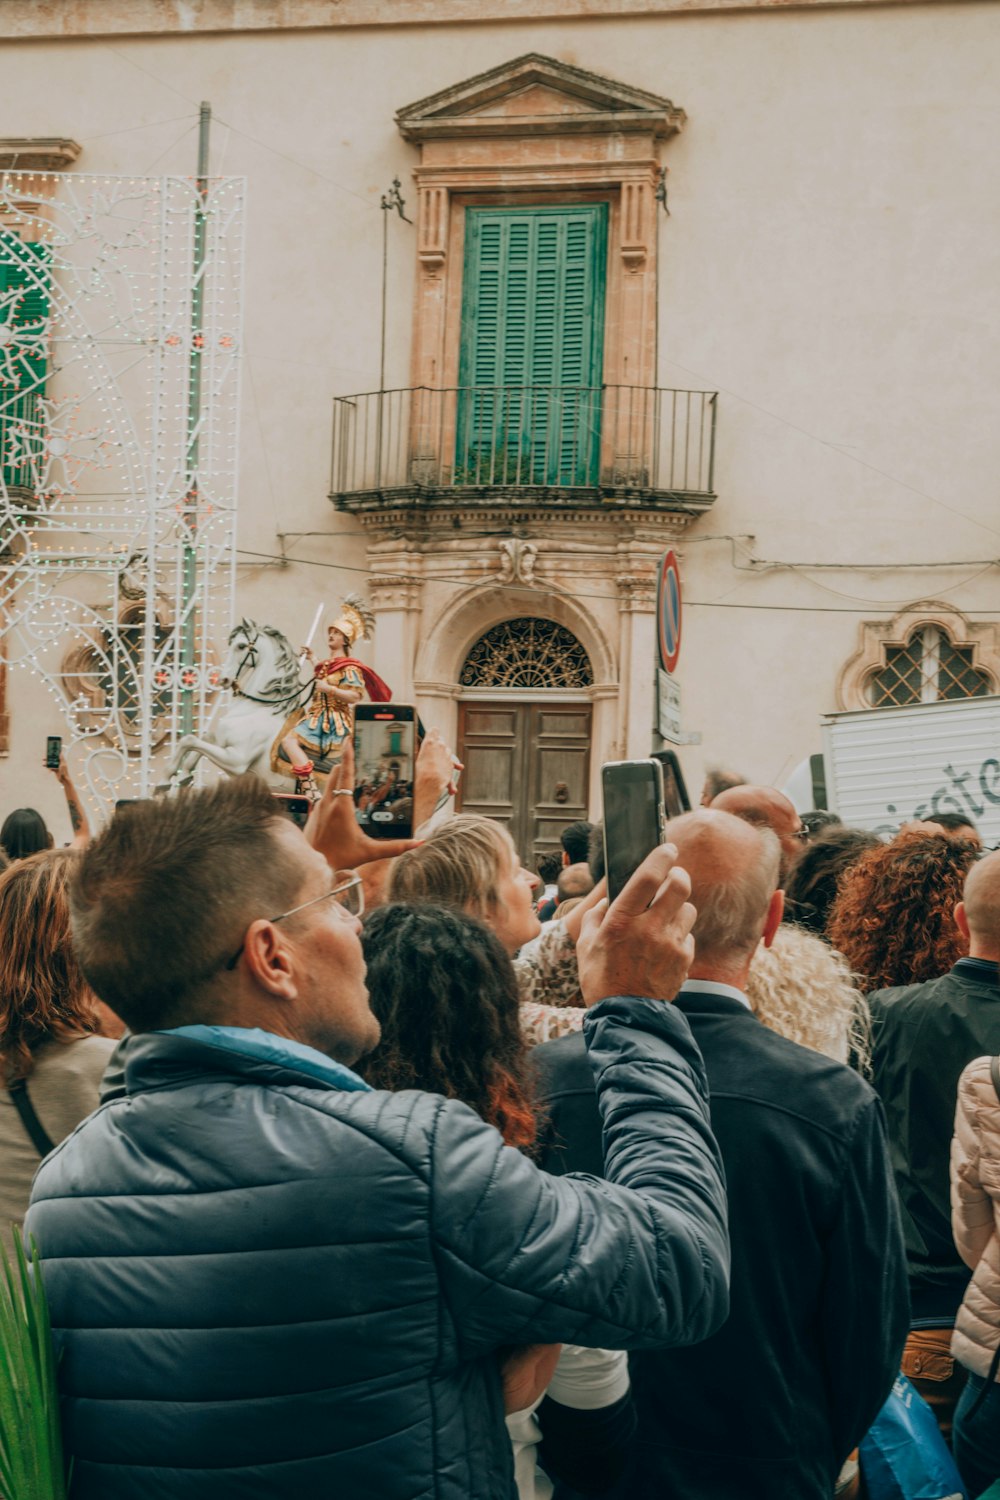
(805, 991)
(471, 863)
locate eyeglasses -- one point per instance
(347, 891)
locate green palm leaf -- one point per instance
(31, 1458)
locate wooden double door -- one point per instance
(528, 766)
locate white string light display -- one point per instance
(111, 479)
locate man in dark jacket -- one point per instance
(769, 1407)
(265, 1278)
(924, 1035)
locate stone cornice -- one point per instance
(73, 19)
(37, 153)
(400, 521)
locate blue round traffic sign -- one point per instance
(668, 611)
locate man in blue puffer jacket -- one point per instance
(267, 1280)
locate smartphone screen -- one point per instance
(633, 817)
(675, 793)
(384, 752)
(53, 751)
(297, 808)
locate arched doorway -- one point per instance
(524, 730)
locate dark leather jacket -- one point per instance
(769, 1407)
(924, 1035)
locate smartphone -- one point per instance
(297, 808)
(385, 747)
(53, 752)
(675, 793)
(633, 817)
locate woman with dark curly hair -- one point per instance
(814, 881)
(444, 991)
(894, 915)
(51, 1060)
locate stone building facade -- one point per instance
(715, 277)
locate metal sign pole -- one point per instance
(190, 573)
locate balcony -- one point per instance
(563, 446)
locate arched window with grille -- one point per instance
(528, 652)
(929, 653)
(926, 668)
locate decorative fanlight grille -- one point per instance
(928, 668)
(527, 653)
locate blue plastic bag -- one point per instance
(903, 1455)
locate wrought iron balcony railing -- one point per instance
(631, 440)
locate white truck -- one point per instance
(885, 766)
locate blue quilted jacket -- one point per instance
(269, 1281)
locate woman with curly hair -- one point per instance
(445, 995)
(894, 915)
(813, 884)
(804, 990)
(52, 1060)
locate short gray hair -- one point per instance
(731, 912)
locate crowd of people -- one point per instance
(394, 1168)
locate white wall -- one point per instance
(830, 265)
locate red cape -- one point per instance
(378, 691)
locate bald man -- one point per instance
(924, 1035)
(766, 807)
(770, 1407)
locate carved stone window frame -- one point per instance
(537, 131)
(879, 635)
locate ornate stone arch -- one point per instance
(878, 636)
(445, 646)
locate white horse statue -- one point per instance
(263, 673)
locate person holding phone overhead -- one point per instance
(313, 737)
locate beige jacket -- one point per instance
(63, 1088)
(975, 1215)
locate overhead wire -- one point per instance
(837, 448)
(263, 145)
(275, 558)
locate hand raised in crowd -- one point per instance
(641, 944)
(526, 1372)
(333, 829)
(433, 776)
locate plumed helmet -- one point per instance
(356, 620)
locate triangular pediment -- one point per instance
(539, 93)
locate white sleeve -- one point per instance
(587, 1379)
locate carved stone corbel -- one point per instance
(432, 231)
(517, 561)
(634, 246)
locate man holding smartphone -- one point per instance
(268, 1278)
(770, 1406)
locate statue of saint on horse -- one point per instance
(310, 743)
(275, 720)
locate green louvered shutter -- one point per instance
(25, 268)
(532, 345)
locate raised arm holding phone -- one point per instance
(393, 1238)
